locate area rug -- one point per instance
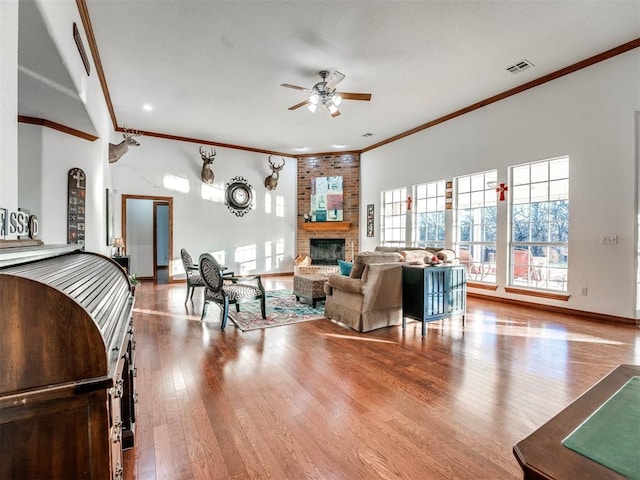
(282, 309)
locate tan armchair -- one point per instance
(371, 297)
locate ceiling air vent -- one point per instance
(519, 67)
(368, 134)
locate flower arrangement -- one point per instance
(435, 261)
(133, 280)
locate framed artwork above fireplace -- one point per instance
(326, 199)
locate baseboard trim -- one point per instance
(601, 317)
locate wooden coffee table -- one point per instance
(542, 455)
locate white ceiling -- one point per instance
(212, 69)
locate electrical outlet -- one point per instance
(583, 291)
(609, 239)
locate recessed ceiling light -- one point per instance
(301, 149)
(339, 145)
(147, 107)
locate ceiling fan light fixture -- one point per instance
(323, 95)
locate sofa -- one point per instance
(370, 297)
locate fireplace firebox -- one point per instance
(326, 251)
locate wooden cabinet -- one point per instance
(433, 293)
(67, 391)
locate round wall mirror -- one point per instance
(239, 196)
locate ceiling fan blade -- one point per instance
(298, 105)
(355, 96)
(336, 113)
(335, 79)
(288, 85)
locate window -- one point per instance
(540, 224)
(428, 215)
(393, 217)
(476, 225)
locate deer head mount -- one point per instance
(207, 159)
(117, 151)
(271, 182)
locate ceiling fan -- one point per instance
(324, 94)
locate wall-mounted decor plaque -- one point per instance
(77, 195)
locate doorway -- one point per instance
(147, 230)
(161, 239)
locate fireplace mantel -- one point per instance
(326, 226)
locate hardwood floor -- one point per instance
(318, 400)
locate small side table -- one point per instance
(124, 261)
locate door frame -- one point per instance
(164, 200)
(156, 204)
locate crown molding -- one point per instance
(57, 126)
(620, 49)
(625, 47)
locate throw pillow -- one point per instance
(446, 255)
(416, 257)
(345, 267)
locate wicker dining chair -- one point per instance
(224, 294)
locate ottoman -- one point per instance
(310, 287)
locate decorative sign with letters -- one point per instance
(370, 232)
(77, 191)
(20, 223)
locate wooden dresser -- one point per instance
(67, 371)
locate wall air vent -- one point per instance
(519, 67)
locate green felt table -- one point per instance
(542, 455)
(611, 435)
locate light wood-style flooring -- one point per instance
(320, 401)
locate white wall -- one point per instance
(30, 170)
(201, 225)
(9, 105)
(588, 115)
(50, 152)
(46, 156)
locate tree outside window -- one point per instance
(540, 225)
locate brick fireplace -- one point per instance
(348, 166)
